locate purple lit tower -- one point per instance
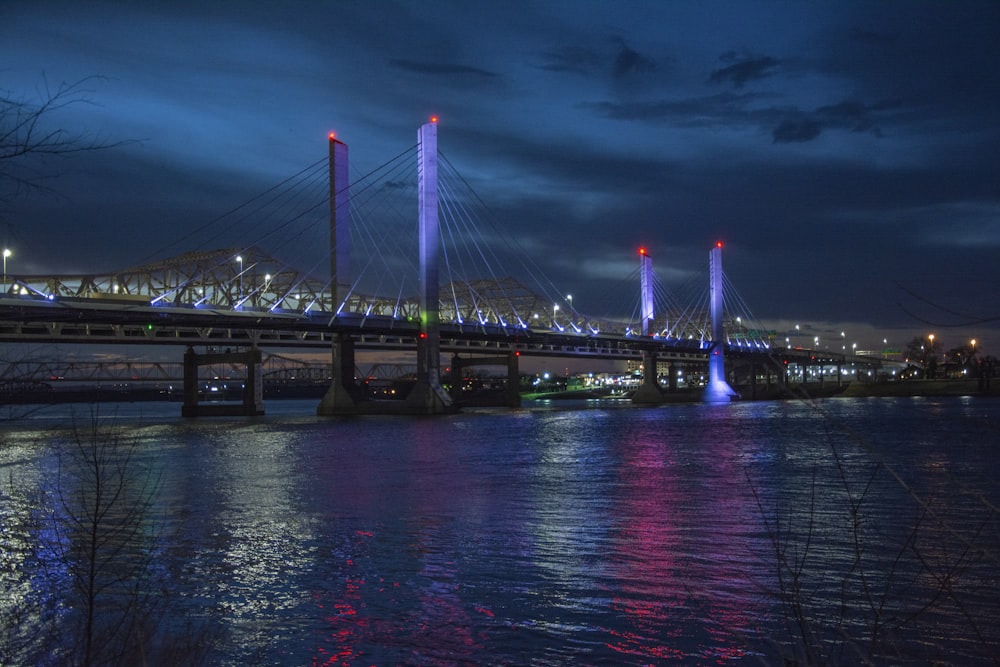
(649, 391)
(428, 396)
(718, 390)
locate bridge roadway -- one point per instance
(77, 320)
(81, 320)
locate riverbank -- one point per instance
(776, 392)
(921, 388)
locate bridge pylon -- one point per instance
(718, 389)
(428, 396)
(343, 395)
(649, 391)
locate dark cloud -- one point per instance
(440, 69)
(796, 130)
(572, 59)
(744, 69)
(622, 61)
(629, 62)
(854, 116)
(721, 108)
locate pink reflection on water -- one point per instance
(663, 593)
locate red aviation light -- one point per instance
(333, 136)
(718, 244)
(642, 251)
(434, 119)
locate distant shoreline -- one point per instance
(902, 388)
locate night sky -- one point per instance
(845, 152)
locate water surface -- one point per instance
(601, 535)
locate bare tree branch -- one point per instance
(29, 129)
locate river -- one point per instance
(585, 534)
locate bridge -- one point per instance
(241, 299)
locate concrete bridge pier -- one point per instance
(253, 387)
(428, 397)
(649, 392)
(511, 396)
(344, 395)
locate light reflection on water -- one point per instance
(598, 536)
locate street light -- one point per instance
(6, 253)
(239, 258)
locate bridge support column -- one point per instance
(511, 396)
(253, 387)
(428, 396)
(343, 396)
(718, 389)
(513, 392)
(648, 392)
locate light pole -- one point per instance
(239, 259)
(6, 253)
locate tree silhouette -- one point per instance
(30, 132)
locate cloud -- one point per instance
(847, 115)
(691, 112)
(440, 69)
(572, 59)
(744, 69)
(629, 61)
(796, 131)
(623, 63)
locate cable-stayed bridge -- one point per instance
(407, 257)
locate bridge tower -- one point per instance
(342, 396)
(718, 389)
(649, 390)
(428, 396)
